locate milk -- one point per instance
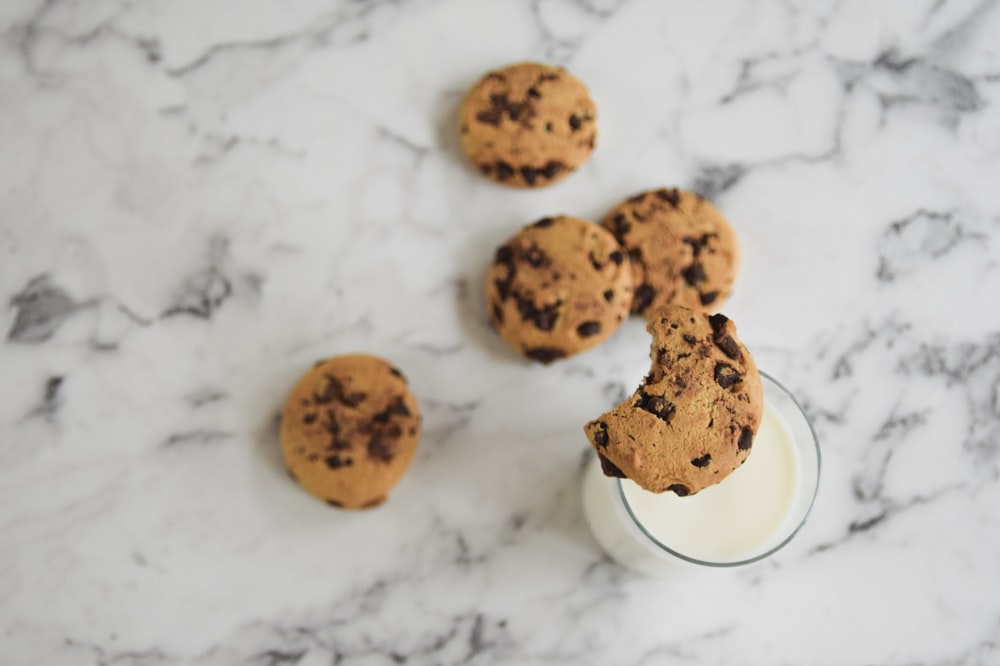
(734, 519)
(749, 515)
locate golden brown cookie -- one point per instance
(682, 249)
(528, 125)
(558, 287)
(349, 430)
(693, 419)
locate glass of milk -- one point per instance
(747, 517)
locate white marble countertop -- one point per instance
(197, 200)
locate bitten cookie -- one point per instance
(693, 419)
(528, 125)
(558, 287)
(682, 249)
(349, 430)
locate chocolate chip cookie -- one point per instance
(682, 249)
(558, 287)
(528, 125)
(349, 430)
(693, 419)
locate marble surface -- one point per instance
(197, 200)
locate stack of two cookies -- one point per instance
(563, 285)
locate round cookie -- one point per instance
(693, 419)
(682, 249)
(349, 430)
(528, 125)
(558, 287)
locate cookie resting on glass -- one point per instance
(693, 418)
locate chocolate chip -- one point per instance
(703, 461)
(601, 435)
(637, 198)
(504, 286)
(497, 314)
(549, 171)
(397, 372)
(533, 92)
(726, 375)
(698, 244)
(491, 116)
(635, 254)
(588, 328)
(335, 503)
(708, 297)
(694, 274)
(309, 418)
(544, 222)
(536, 256)
(331, 425)
(544, 354)
(504, 255)
(680, 489)
(372, 503)
(609, 295)
(617, 257)
(656, 405)
(620, 225)
(504, 170)
(594, 262)
(334, 390)
(552, 169)
(746, 439)
(718, 322)
(671, 196)
(574, 122)
(690, 339)
(500, 104)
(548, 127)
(729, 346)
(396, 408)
(642, 298)
(548, 76)
(336, 462)
(330, 391)
(609, 468)
(674, 325)
(544, 318)
(380, 449)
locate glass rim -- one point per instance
(770, 551)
